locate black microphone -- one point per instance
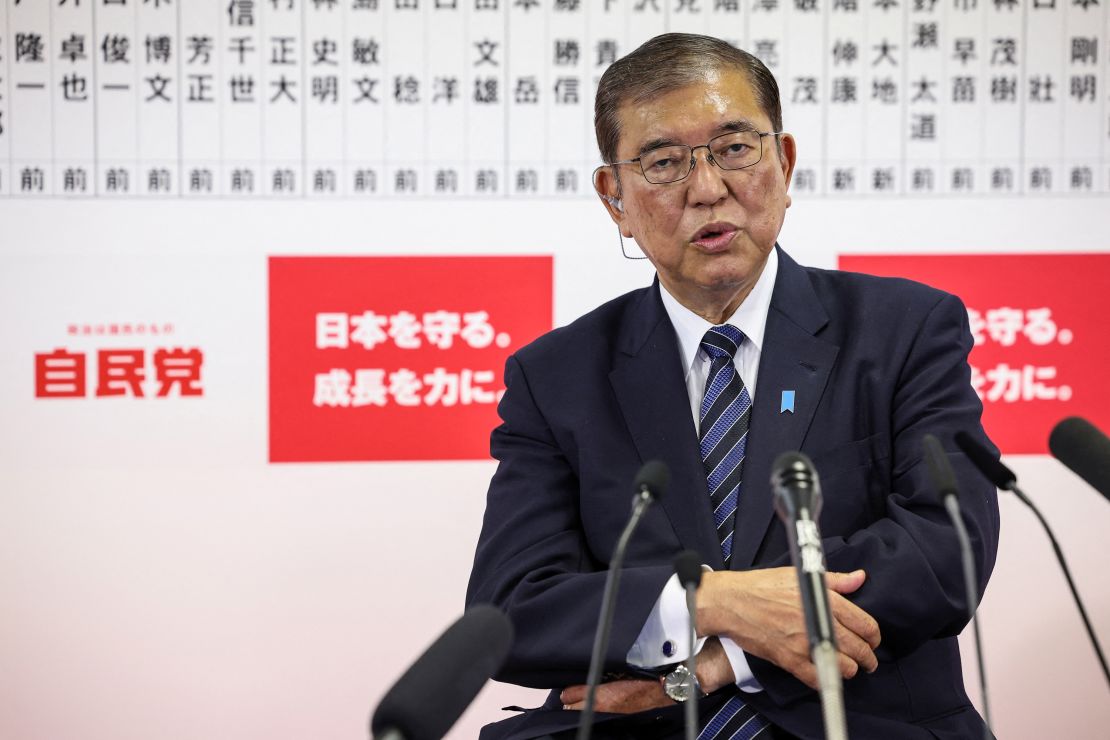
(450, 673)
(798, 503)
(1004, 478)
(650, 483)
(944, 480)
(652, 480)
(989, 465)
(687, 566)
(1080, 445)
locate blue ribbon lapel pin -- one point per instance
(787, 402)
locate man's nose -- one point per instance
(707, 184)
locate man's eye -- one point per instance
(662, 164)
(734, 149)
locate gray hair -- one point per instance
(670, 62)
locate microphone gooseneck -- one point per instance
(1002, 477)
(798, 503)
(651, 482)
(944, 480)
(453, 670)
(688, 568)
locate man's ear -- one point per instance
(608, 188)
(788, 156)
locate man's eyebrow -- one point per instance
(728, 127)
(740, 124)
(647, 146)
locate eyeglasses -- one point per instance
(733, 151)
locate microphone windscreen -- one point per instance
(688, 567)
(944, 479)
(435, 691)
(982, 458)
(654, 476)
(1080, 445)
(795, 485)
(789, 462)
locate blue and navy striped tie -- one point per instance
(726, 409)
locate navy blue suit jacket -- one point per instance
(875, 364)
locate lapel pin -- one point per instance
(787, 402)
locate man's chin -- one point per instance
(727, 278)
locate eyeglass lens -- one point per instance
(729, 152)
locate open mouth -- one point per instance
(715, 235)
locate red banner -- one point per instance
(1041, 349)
(396, 358)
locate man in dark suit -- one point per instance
(853, 370)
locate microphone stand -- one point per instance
(640, 503)
(1012, 487)
(952, 505)
(690, 706)
(944, 479)
(832, 691)
(797, 491)
(1004, 479)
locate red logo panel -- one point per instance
(396, 358)
(129, 366)
(1040, 335)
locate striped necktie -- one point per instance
(726, 409)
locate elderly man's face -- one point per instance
(708, 235)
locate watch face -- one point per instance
(679, 684)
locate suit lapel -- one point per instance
(649, 384)
(792, 359)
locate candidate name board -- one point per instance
(493, 98)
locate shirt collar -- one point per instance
(749, 317)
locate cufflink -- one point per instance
(668, 648)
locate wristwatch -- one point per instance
(681, 685)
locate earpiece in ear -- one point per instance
(615, 202)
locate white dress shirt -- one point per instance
(664, 638)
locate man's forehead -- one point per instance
(719, 104)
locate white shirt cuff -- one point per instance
(665, 636)
(745, 679)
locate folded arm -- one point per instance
(533, 559)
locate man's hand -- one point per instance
(639, 695)
(623, 696)
(714, 670)
(761, 610)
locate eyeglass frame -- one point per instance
(693, 157)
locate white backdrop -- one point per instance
(160, 579)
